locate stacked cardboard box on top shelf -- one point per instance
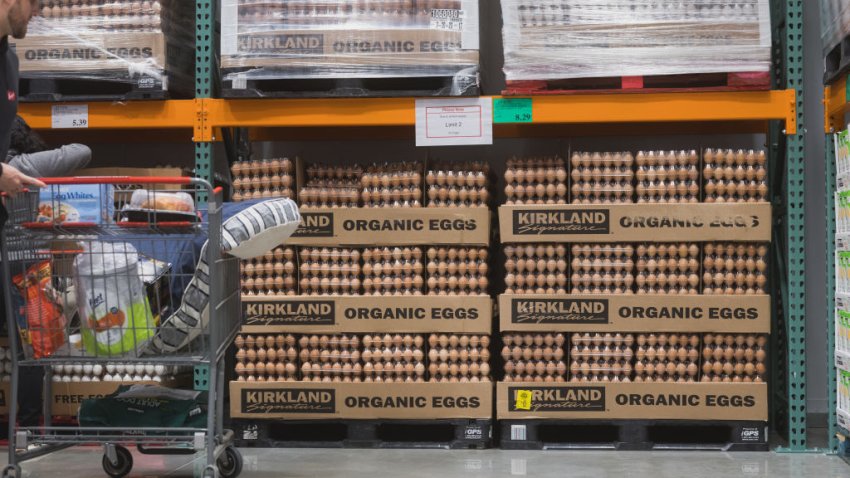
(117, 50)
(633, 40)
(349, 48)
(379, 299)
(835, 26)
(636, 291)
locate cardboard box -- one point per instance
(66, 397)
(347, 48)
(393, 227)
(333, 401)
(636, 222)
(646, 401)
(359, 314)
(635, 313)
(90, 52)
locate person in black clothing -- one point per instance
(15, 16)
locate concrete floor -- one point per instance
(292, 463)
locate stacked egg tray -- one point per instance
(379, 271)
(395, 185)
(458, 184)
(737, 268)
(363, 358)
(634, 357)
(646, 177)
(263, 179)
(100, 15)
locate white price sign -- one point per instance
(454, 122)
(70, 116)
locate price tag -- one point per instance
(513, 110)
(70, 116)
(523, 400)
(454, 122)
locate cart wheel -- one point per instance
(230, 463)
(122, 467)
(12, 471)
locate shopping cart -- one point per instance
(93, 268)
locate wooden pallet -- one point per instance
(837, 61)
(60, 89)
(446, 434)
(642, 84)
(640, 435)
(344, 87)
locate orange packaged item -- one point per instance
(45, 324)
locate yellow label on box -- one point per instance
(523, 400)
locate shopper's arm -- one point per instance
(13, 181)
(53, 163)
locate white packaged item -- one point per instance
(116, 315)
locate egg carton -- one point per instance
(536, 368)
(457, 270)
(329, 271)
(735, 268)
(586, 367)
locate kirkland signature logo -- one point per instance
(295, 312)
(559, 311)
(560, 399)
(316, 224)
(304, 400)
(552, 222)
(283, 43)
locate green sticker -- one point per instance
(512, 110)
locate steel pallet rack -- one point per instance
(777, 112)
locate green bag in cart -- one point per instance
(146, 406)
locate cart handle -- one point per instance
(121, 180)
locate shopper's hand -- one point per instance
(13, 181)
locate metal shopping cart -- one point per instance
(93, 269)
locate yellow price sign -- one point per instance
(523, 400)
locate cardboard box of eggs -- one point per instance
(380, 271)
(145, 44)
(405, 39)
(730, 268)
(634, 357)
(355, 358)
(646, 177)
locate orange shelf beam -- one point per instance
(836, 106)
(169, 114)
(709, 107)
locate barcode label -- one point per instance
(519, 433)
(447, 19)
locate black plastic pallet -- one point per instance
(34, 90)
(634, 435)
(455, 434)
(345, 88)
(837, 61)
